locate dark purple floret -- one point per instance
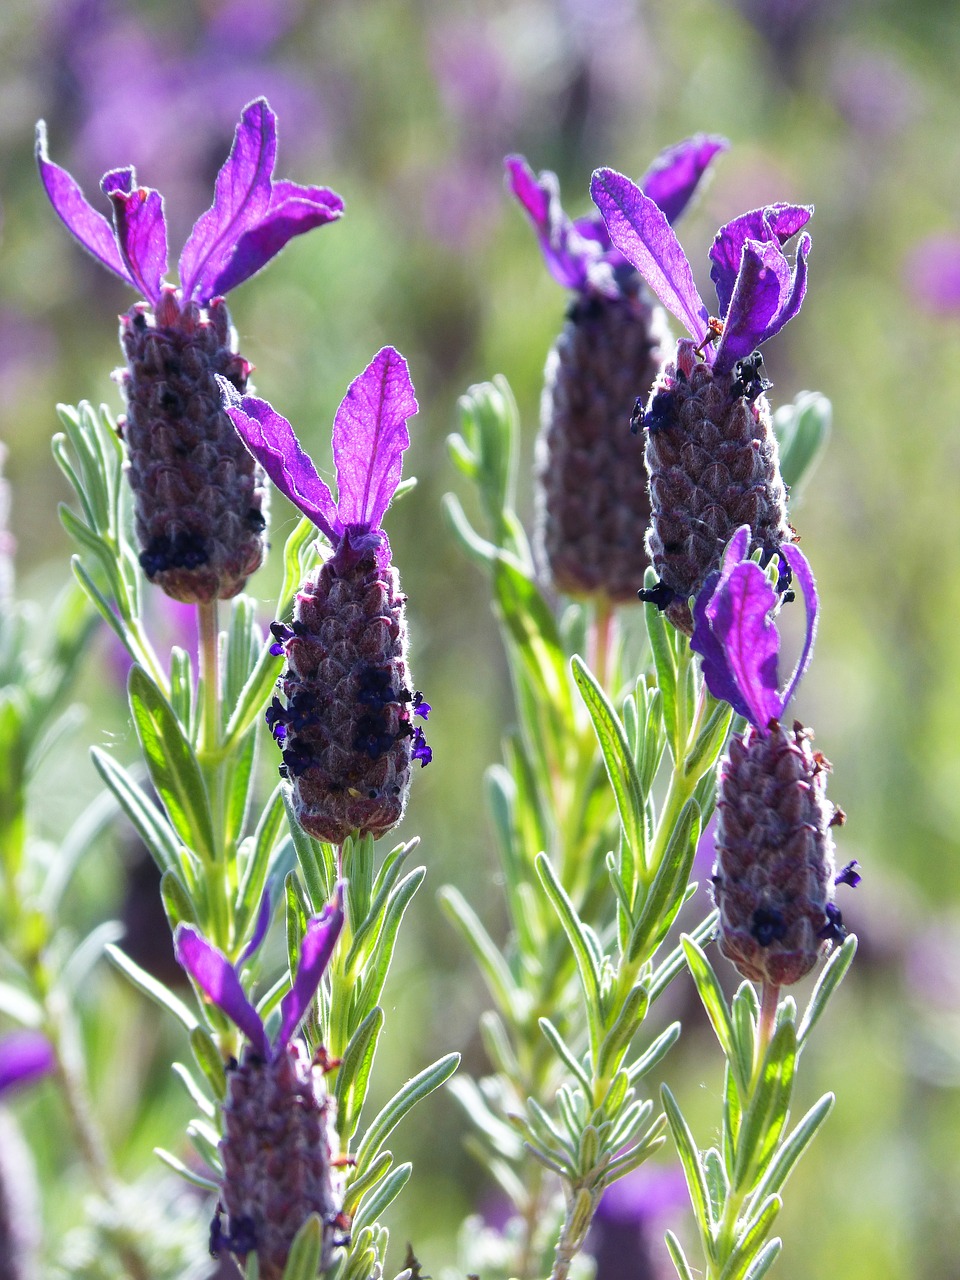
(662, 411)
(849, 875)
(834, 930)
(420, 705)
(421, 751)
(661, 595)
(768, 926)
(748, 379)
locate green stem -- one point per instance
(209, 628)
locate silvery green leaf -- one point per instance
(255, 866)
(488, 956)
(197, 1095)
(830, 978)
(303, 1260)
(802, 430)
(77, 968)
(764, 1260)
(766, 1113)
(375, 973)
(414, 1091)
(565, 1054)
(794, 1146)
(665, 895)
(149, 823)
(714, 1002)
(208, 1059)
(690, 1159)
(677, 1255)
(617, 1040)
(353, 1075)
(315, 859)
(751, 1238)
(655, 1052)
(151, 987)
(382, 1196)
(478, 549)
(185, 1171)
(676, 961)
(181, 689)
(583, 951)
(360, 1183)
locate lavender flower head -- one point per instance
(592, 503)
(279, 1146)
(345, 727)
(774, 874)
(199, 495)
(710, 450)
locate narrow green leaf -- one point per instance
(574, 929)
(378, 1201)
(793, 1148)
(676, 961)
(303, 1260)
(834, 971)
(254, 873)
(617, 757)
(766, 1113)
(706, 750)
(181, 688)
(368, 930)
(151, 987)
(197, 1096)
(77, 968)
(565, 1054)
(478, 549)
(209, 1061)
(414, 1091)
(239, 784)
(751, 1238)
(677, 1255)
(665, 894)
(147, 820)
(360, 1183)
(764, 1260)
(732, 1117)
(715, 1004)
(16, 1004)
(617, 1040)
(376, 971)
(717, 1183)
(531, 625)
(81, 837)
(177, 903)
(206, 1142)
(184, 1170)
(173, 767)
(663, 660)
(488, 956)
(657, 1051)
(690, 1159)
(314, 858)
(353, 1075)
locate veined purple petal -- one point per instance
(24, 1056)
(91, 228)
(675, 175)
(271, 440)
(259, 931)
(767, 294)
(293, 210)
(369, 437)
(315, 951)
(774, 224)
(573, 251)
(740, 614)
(803, 577)
(241, 199)
(639, 229)
(217, 979)
(141, 229)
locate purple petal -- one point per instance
(141, 229)
(260, 929)
(217, 979)
(774, 224)
(24, 1056)
(573, 251)
(91, 228)
(768, 293)
(315, 952)
(639, 229)
(740, 614)
(293, 211)
(716, 670)
(271, 440)
(803, 576)
(675, 175)
(241, 200)
(369, 437)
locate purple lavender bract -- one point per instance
(774, 875)
(592, 502)
(199, 495)
(346, 726)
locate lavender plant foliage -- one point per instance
(774, 876)
(710, 449)
(592, 502)
(199, 496)
(279, 1146)
(346, 728)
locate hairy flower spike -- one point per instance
(774, 876)
(199, 496)
(711, 454)
(345, 728)
(279, 1145)
(592, 503)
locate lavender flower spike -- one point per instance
(774, 879)
(346, 728)
(592, 500)
(199, 495)
(279, 1145)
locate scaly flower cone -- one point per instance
(199, 498)
(711, 454)
(346, 728)
(592, 500)
(774, 874)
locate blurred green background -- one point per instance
(407, 109)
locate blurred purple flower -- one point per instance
(25, 1056)
(873, 91)
(219, 980)
(630, 1218)
(758, 290)
(580, 254)
(251, 219)
(931, 272)
(734, 631)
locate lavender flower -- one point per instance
(346, 728)
(774, 876)
(199, 495)
(25, 1056)
(710, 450)
(279, 1145)
(592, 489)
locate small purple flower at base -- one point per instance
(25, 1056)
(346, 725)
(199, 495)
(774, 875)
(592, 501)
(711, 454)
(279, 1146)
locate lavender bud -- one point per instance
(199, 495)
(279, 1150)
(774, 874)
(714, 465)
(593, 506)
